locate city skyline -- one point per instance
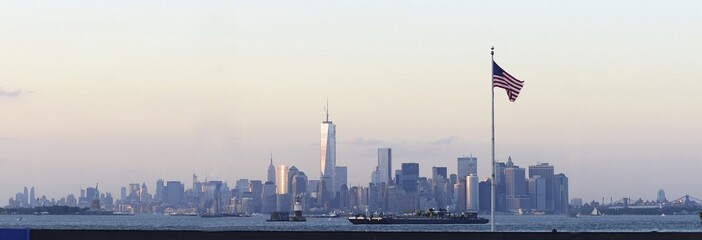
(407, 191)
(130, 91)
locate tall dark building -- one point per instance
(516, 186)
(467, 166)
(485, 193)
(25, 198)
(537, 192)
(560, 192)
(546, 172)
(500, 187)
(268, 197)
(159, 190)
(438, 171)
(298, 186)
(410, 175)
(256, 188)
(174, 193)
(291, 173)
(398, 177)
(440, 186)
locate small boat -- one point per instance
(596, 212)
(574, 214)
(330, 215)
(176, 214)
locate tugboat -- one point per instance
(431, 217)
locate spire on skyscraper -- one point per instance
(271, 170)
(326, 111)
(509, 162)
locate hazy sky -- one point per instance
(117, 92)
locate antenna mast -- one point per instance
(326, 110)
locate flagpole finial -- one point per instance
(492, 51)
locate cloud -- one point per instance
(12, 94)
(363, 141)
(445, 141)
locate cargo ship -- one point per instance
(430, 217)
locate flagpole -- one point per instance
(492, 87)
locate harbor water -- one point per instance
(505, 223)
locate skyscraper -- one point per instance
(174, 193)
(32, 198)
(291, 173)
(467, 166)
(384, 165)
(299, 184)
(282, 177)
(25, 198)
(268, 197)
(438, 173)
(472, 195)
(143, 193)
(560, 193)
(546, 172)
(515, 184)
(256, 189)
(123, 194)
(133, 190)
(159, 190)
(661, 196)
(271, 171)
(341, 177)
(500, 187)
(484, 195)
(410, 175)
(459, 196)
(328, 158)
(242, 186)
(440, 186)
(375, 176)
(537, 192)
(197, 189)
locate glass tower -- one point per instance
(384, 165)
(328, 157)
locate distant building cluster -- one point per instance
(542, 191)
(403, 190)
(28, 199)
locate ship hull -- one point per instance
(416, 221)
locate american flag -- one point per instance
(503, 80)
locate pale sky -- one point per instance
(117, 92)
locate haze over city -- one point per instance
(122, 92)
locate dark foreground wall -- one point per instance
(176, 235)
